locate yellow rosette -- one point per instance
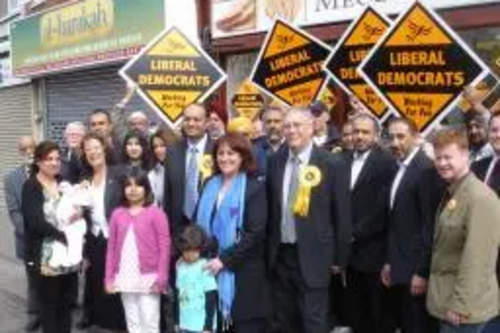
(309, 177)
(206, 167)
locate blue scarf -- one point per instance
(225, 227)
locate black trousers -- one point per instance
(299, 308)
(367, 302)
(408, 312)
(55, 295)
(32, 295)
(106, 310)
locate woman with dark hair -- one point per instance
(160, 142)
(138, 254)
(40, 199)
(232, 211)
(136, 151)
(100, 309)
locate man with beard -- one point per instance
(413, 199)
(267, 145)
(477, 131)
(372, 172)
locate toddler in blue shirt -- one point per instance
(196, 287)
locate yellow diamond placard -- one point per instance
(350, 50)
(421, 66)
(290, 65)
(248, 101)
(172, 72)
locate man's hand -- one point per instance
(454, 318)
(385, 275)
(418, 285)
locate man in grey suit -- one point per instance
(13, 185)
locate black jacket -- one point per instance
(370, 198)
(411, 220)
(36, 227)
(323, 236)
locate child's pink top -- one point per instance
(153, 243)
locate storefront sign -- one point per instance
(420, 67)
(235, 17)
(290, 65)
(84, 33)
(171, 73)
(248, 101)
(350, 50)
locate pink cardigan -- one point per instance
(152, 238)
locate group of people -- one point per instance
(302, 229)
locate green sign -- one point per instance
(84, 33)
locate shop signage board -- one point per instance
(348, 53)
(237, 17)
(290, 65)
(248, 101)
(420, 67)
(172, 72)
(83, 33)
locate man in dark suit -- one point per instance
(72, 167)
(272, 141)
(488, 169)
(13, 185)
(183, 176)
(413, 201)
(305, 242)
(372, 171)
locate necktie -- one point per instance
(191, 194)
(288, 231)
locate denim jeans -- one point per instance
(492, 326)
(470, 328)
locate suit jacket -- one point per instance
(411, 220)
(466, 241)
(175, 184)
(323, 236)
(480, 169)
(370, 215)
(247, 258)
(13, 187)
(72, 167)
(262, 150)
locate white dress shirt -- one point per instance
(98, 211)
(403, 166)
(357, 165)
(157, 180)
(490, 169)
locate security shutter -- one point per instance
(15, 121)
(71, 96)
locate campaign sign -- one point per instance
(290, 65)
(171, 73)
(420, 67)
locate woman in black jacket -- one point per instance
(40, 199)
(101, 309)
(232, 210)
